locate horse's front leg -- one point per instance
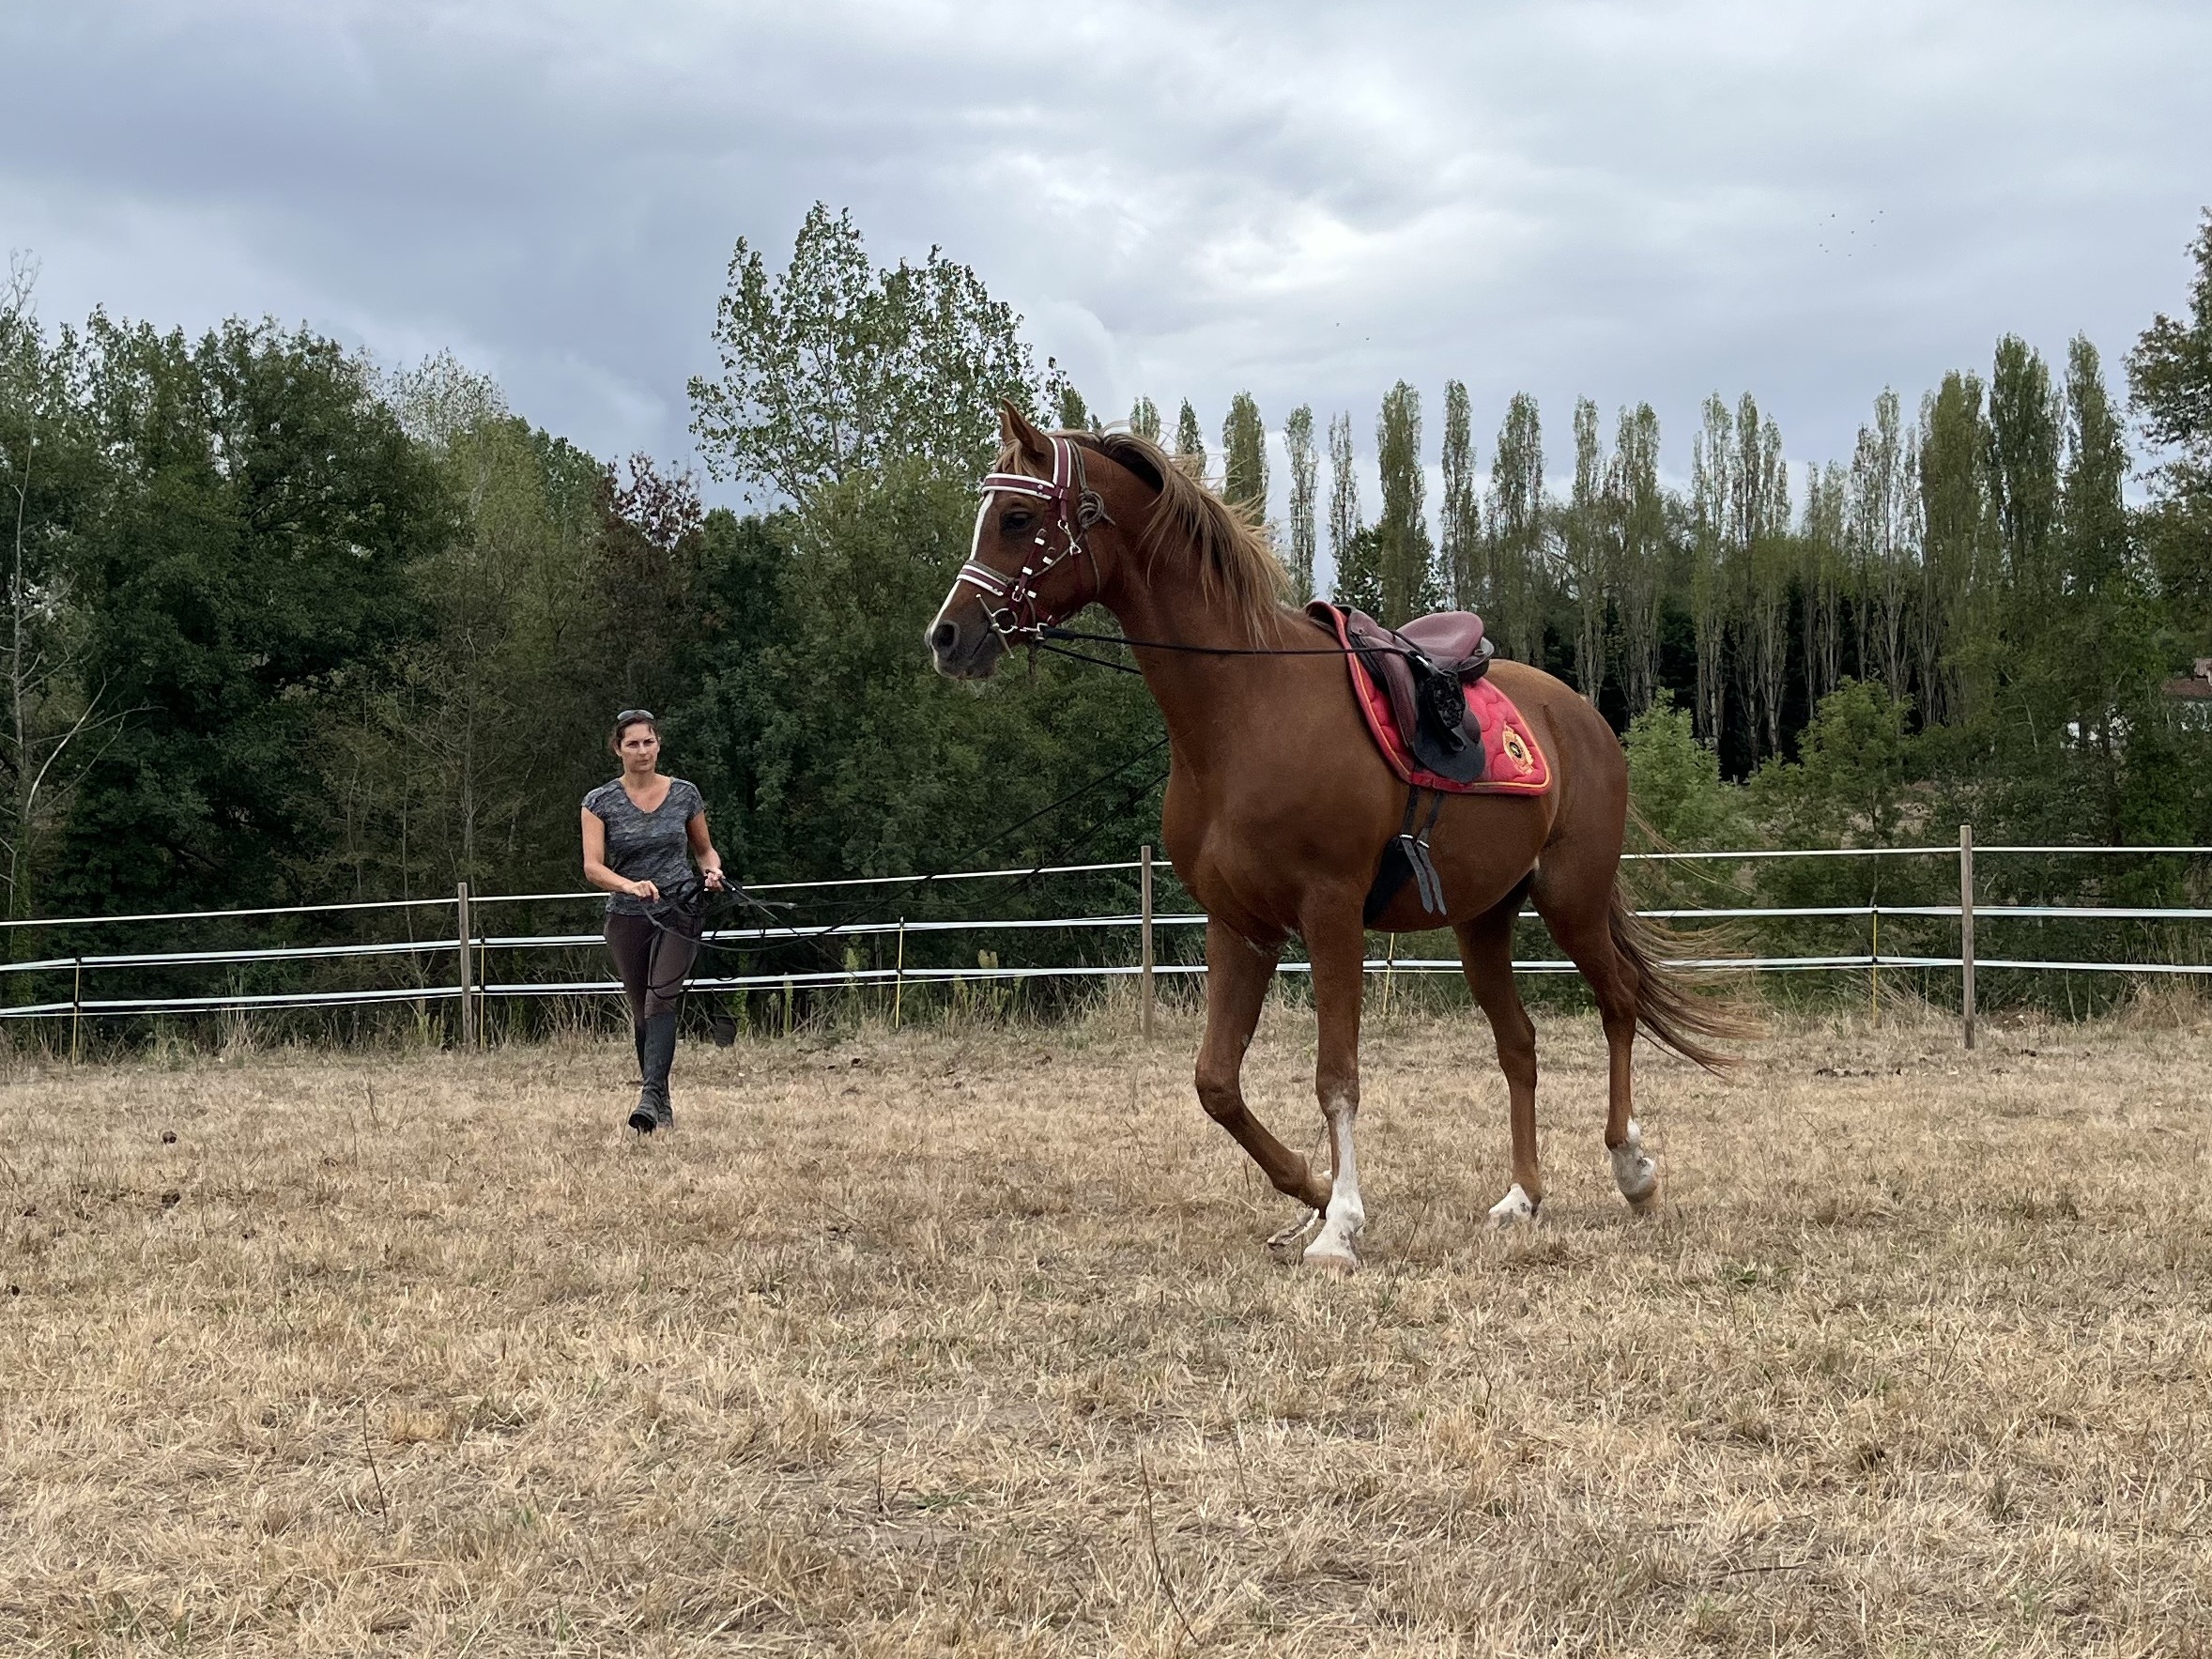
(1236, 976)
(1337, 945)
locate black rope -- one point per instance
(815, 935)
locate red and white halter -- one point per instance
(1071, 506)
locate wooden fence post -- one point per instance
(1145, 960)
(899, 977)
(465, 934)
(76, 1009)
(1966, 1004)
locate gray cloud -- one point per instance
(1624, 201)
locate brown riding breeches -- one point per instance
(653, 961)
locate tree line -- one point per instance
(284, 624)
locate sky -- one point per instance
(1647, 202)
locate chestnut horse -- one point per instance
(1279, 804)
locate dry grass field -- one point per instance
(964, 1341)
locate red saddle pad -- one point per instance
(1514, 761)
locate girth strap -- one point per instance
(1407, 858)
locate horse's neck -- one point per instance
(1206, 699)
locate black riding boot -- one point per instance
(656, 1052)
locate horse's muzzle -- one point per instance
(966, 646)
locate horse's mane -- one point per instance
(1235, 564)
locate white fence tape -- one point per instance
(81, 1006)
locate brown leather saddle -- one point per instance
(1424, 668)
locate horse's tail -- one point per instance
(1686, 1021)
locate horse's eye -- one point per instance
(1014, 524)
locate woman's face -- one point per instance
(640, 748)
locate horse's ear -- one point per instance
(1015, 428)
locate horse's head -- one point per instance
(1045, 546)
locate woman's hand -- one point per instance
(649, 890)
(714, 882)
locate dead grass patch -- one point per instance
(966, 1341)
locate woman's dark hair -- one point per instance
(627, 718)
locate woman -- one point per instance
(641, 834)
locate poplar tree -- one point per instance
(1244, 457)
(1712, 462)
(2106, 649)
(1075, 415)
(2023, 441)
(1145, 419)
(1822, 568)
(1957, 542)
(1408, 580)
(1759, 550)
(1515, 543)
(1344, 519)
(1586, 551)
(1637, 508)
(1190, 442)
(1884, 533)
(1459, 514)
(1297, 439)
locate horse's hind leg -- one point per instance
(1580, 920)
(1486, 955)
(1236, 976)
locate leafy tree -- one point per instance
(1244, 453)
(1849, 786)
(1587, 533)
(1712, 461)
(1359, 572)
(1884, 526)
(1407, 558)
(1345, 518)
(1764, 560)
(2107, 658)
(833, 365)
(250, 550)
(897, 770)
(1074, 414)
(53, 720)
(1675, 783)
(1190, 442)
(1636, 506)
(1460, 514)
(1516, 540)
(2170, 376)
(1145, 419)
(1822, 568)
(2023, 440)
(1957, 539)
(1298, 440)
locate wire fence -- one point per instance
(477, 956)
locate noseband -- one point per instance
(1072, 507)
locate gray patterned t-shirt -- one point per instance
(647, 846)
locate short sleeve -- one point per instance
(596, 803)
(693, 803)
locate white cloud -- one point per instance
(1311, 202)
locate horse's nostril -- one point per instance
(943, 636)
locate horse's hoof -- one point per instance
(1515, 1210)
(1331, 1257)
(1634, 1171)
